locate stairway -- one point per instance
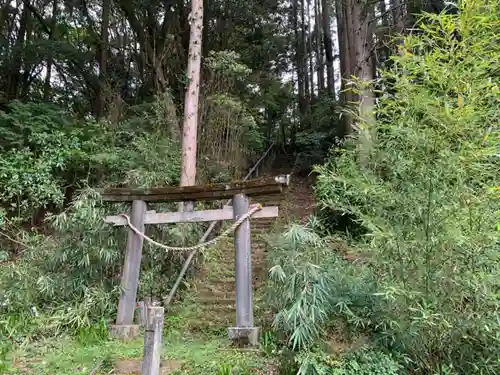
(214, 299)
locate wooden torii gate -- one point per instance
(239, 192)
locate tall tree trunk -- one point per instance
(298, 57)
(5, 10)
(383, 35)
(355, 31)
(28, 66)
(16, 62)
(50, 57)
(360, 28)
(103, 56)
(327, 36)
(310, 49)
(398, 14)
(303, 61)
(190, 125)
(298, 65)
(344, 52)
(319, 46)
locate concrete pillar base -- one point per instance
(244, 335)
(125, 331)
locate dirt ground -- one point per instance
(133, 367)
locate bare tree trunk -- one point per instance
(190, 126)
(398, 14)
(383, 35)
(16, 63)
(298, 57)
(330, 77)
(50, 58)
(303, 61)
(345, 64)
(103, 55)
(310, 49)
(356, 41)
(361, 30)
(319, 46)
(26, 76)
(5, 11)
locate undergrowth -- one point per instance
(61, 264)
(427, 200)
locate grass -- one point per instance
(190, 355)
(204, 350)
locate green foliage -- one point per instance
(229, 129)
(224, 370)
(320, 131)
(69, 282)
(268, 344)
(365, 360)
(44, 150)
(424, 195)
(314, 290)
(309, 286)
(5, 348)
(66, 283)
(227, 64)
(40, 144)
(226, 106)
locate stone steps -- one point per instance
(215, 294)
(216, 301)
(227, 300)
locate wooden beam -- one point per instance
(263, 186)
(194, 216)
(195, 196)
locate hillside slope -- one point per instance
(213, 302)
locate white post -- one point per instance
(153, 339)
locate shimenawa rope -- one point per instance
(232, 228)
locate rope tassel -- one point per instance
(224, 234)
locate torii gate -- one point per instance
(239, 191)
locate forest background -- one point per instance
(395, 104)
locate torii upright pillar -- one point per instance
(245, 332)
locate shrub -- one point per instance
(312, 143)
(425, 196)
(46, 152)
(69, 282)
(312, 289)
(363, 361)
(39, 145)
(309, 286)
